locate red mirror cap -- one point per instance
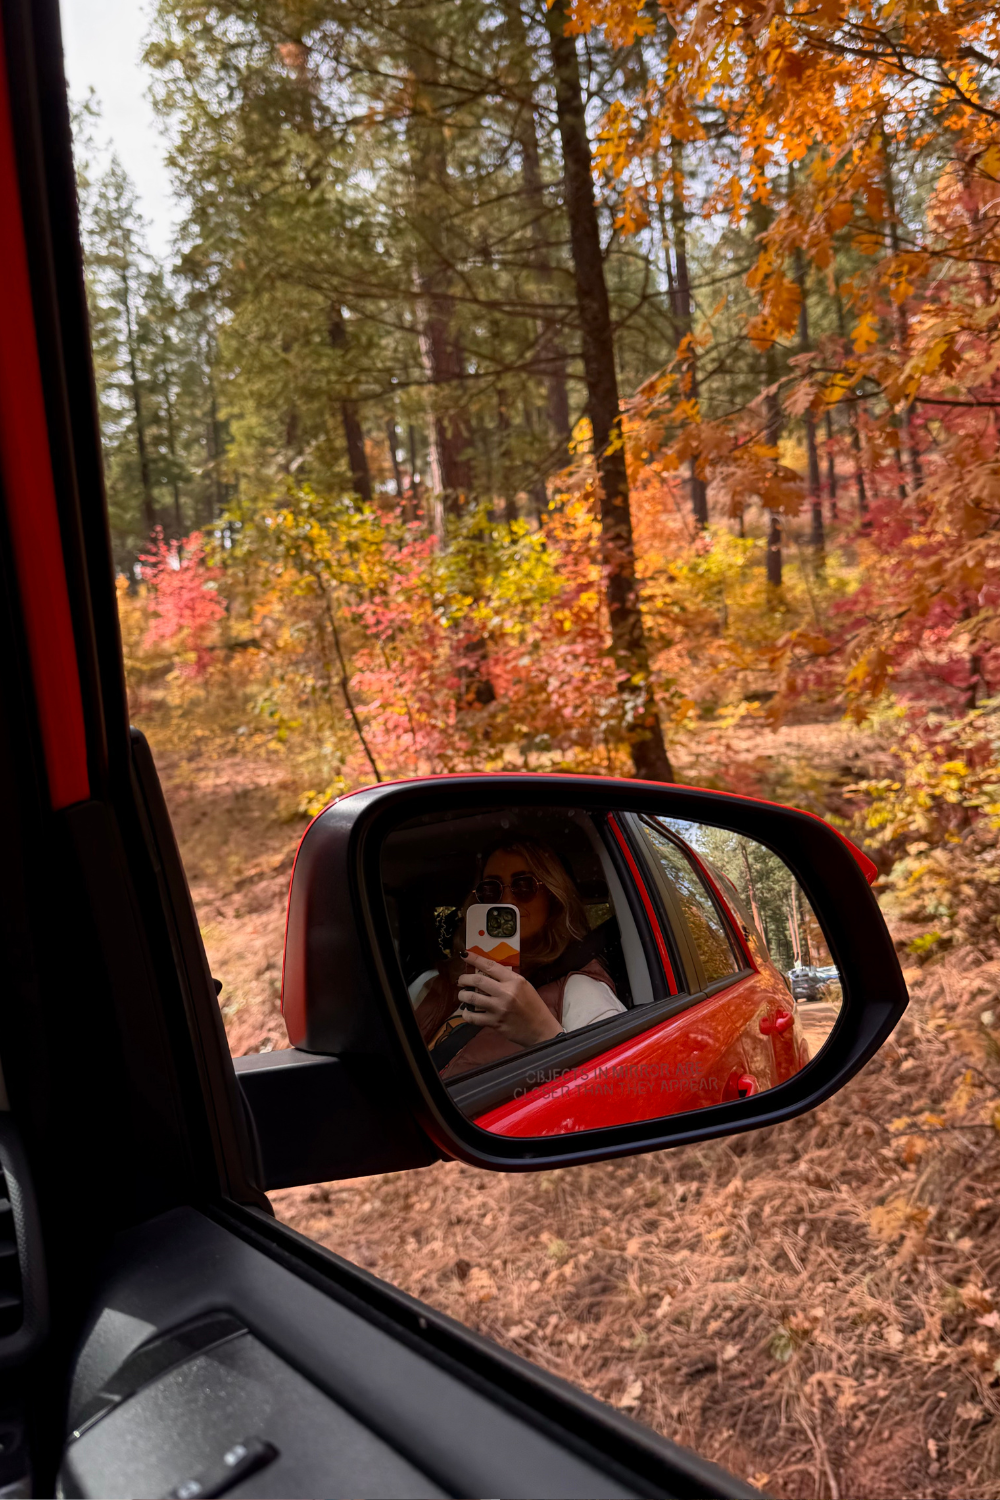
(869, 868)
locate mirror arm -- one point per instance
(321, 1119)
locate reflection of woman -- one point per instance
(508, 1010)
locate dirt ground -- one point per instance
(816, 1307)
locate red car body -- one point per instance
(739, 1040)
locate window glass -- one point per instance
(704, 924)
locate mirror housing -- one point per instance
(343, 995)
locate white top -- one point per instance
(585, 1000)
(419, 987)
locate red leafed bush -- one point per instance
(184, 604)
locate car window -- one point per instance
(673, 869)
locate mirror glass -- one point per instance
(571, 969)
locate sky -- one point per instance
(103, 42)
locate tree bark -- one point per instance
(774, 550)
(817, 535)
(214, 447)
(357, 458)
(628, 642)
(831, 466)
(414, 497)
(392, 439)
(760, 215)
(168, 406)
(142, 447)
(902, 323)
(859, 470)
(852, 421)
(354, 438)
(427, 149)
(683, 314)
(750, 887)
(551, 357)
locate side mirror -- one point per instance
(657, 965)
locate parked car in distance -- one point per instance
(812, 981)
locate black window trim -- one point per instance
(658, 978)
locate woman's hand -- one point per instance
(504, 1001)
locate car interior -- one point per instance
(430, 867)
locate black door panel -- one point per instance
(423, 1406)
(175, 1433)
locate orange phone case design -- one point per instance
(505, 947)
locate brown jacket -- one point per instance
(488, 1045)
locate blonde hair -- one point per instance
(566, 923)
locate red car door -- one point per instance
(735, 1037)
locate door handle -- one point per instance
(769, 1025)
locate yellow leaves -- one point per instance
(964, 1093)
(782, 301)
(891, 1221)
(865, 332)
(837, 387)
(941, 355)
(761, 332)
(838, 215)
(812, 641)
(632, 216)
(988, 163)
(866, 242)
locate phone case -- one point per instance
(488, 932)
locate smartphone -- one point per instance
(494, 931)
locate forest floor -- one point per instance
(816, 1307)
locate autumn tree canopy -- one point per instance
(544, 376)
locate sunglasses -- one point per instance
(522, 888)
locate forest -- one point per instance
(611, 387)
(529, 386)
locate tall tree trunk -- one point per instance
(427, 149)
(354, 438)
(760, 218)
(451, 440)
(357, 458)
(902, 323)
(683, 314)
(168, 406)
(138, 411)
(214, 450)
(774, 550)
(859, 470)
(393, 440)
(831, 465)
(628, 641)
(860, 486)
(551, 356)
(750, 887)
(817, 535)
(538, 496)
(413, 499)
